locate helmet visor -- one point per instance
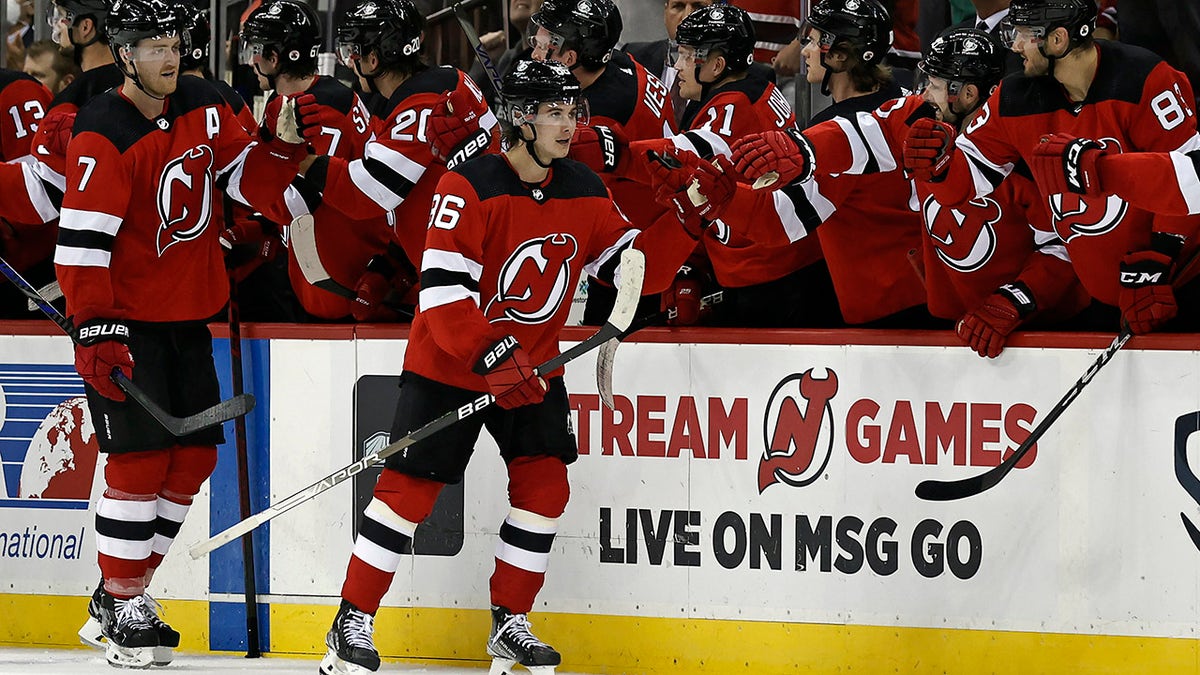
(154, 50)
(562, 112)
(1011, 34)
(545, 44)
(250, 52)
(348, 53)
(685, 57)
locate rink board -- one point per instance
(686, 549)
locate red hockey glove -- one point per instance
(102, 349)
(54, 133)
(681, 300)
(388, 274)
(787, 153)
(928, 149)
(1062, 163)
(312, 116)
(510, 376)
(604, 149)
(280, 131)
(453, 129)
(986, 329)
(1147, 299)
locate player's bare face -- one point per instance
(814, 72)
(555, 125)
(675, 11)
(157, 63)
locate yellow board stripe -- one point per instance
(658, 646)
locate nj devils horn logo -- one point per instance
(964, 239)
(798, 444)
(185, 194)
(1073, 215)
(534, 281)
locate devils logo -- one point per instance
(965, 238)
(185, 197)
(797, 445)
(534, 281)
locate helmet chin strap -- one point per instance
(532, 149)
(269, 78)
(369, 79)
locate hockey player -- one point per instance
(508, 237)
(25, 100)
(396, 173)
(280, 40)
(1096, 89)
(866, 225)
(621, 95)
(140, 286)
(990, 264)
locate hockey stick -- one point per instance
(178, 426)
(303, 237)
(481, 53)
(608, 352)
(942, 491)
(237, 378)
(633, 267)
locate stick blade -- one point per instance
(629, 290)
(604, 371)
(220, 413)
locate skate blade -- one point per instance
(129, 657)
(332, 665)
(504, 666)
(163, 656)
(92, 634)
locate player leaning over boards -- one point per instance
(508, 237)
(1078, 85)
(140, 287)
(395, 175)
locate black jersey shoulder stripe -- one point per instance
(329, 92)
(616, 92)
(491, 177)
(89, 84)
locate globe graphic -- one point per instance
(61, 461)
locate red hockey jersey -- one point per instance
(969, 249)
(344, 244)
(1136, 102)
(23, 103)
(397, 173)
(135, 240)
(747, 106)
(502, 257)
(630, 96)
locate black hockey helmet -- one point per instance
(75, 10)
(964, 56)
(590, 27)
(199, 31)
(1043, 16)
(132, 20)
(289, 28)
(392, 28)
(862, 24)
(531, 83)
(721, 27)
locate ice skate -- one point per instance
(351, 647)
(92, 632)
(168, 638)
(131, 639)
(511, 643)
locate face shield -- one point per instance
(349, 52)
(563, 112)
(1011, 34)
(545, 44)
(154, 51)
(937, 87)
(685, 57)
(249, 52)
